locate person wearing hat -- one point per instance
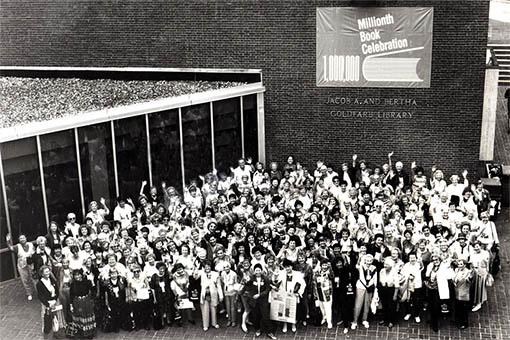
(460, 249)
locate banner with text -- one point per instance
(374, 46)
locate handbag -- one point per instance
(490, 280)
(47, 322)
(107, 321)
(375, 302)
(55, 324)
(496, 264)
(157, 322)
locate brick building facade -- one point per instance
(437, 125)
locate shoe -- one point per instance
(354, 325)
(29, 298)
(233, 324)
(340, 323)
(346, 330)
(244, 328)
(305, 323)
(205, 329)
(417, 319)
(477, 308)
(462, 327)
(293, 329)
(330, 326)
(390, 325)
(257, 333)
(366, 324)
(216, 326)
(271, 336)
(407, 317)
(323, 322)
(381, 322)
(284, 329)
(229, 324)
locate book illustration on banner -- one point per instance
(377, 68)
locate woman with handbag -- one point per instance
(412, 291)
(83, 325)
(51, 311)
(323, 291)
(479, 260)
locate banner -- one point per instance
(283, 307)
(374, 46)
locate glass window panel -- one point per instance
(165, 148)
(131, 147)
(96, 156)
(251, 140)
(61, 175)
(7, 269)
(196, 130)
(23, 186)
(227, 133)
(3, 219)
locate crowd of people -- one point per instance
(364, 244)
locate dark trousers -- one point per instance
(389, 307)
(434, 308)
(260, 316)
(415, 303)
(346, 307)
(142, 311)
(461, 313)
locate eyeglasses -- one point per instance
(136, 271)
(72, 218)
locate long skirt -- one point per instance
(479, 289)
(84, 320)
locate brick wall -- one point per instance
(279, 38)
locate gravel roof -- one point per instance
(26, 100)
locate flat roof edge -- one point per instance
(130, 69)
(95, 117)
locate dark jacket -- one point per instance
(44, 294)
